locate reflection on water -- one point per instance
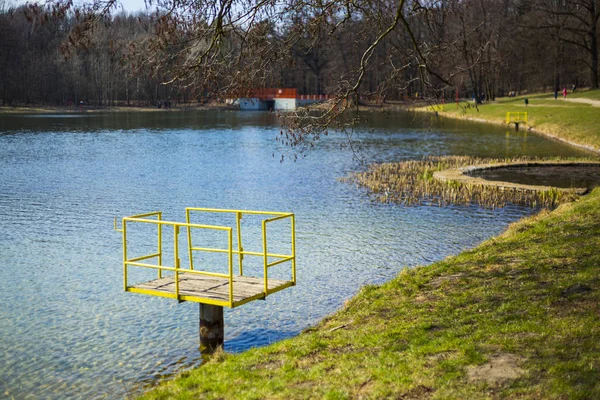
(563, 176)
(67, 328)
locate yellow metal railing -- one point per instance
(240, 249)
(229, 250)
(516, 117)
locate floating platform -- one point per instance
(207, 289)
(189, 283)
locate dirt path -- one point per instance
(595, 103)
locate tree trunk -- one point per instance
(594, 57)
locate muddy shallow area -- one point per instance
(562, 176)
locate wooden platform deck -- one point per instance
(193, 287)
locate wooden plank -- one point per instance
(209, 287)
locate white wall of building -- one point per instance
(253, 103)
(285, 104)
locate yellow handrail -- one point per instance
(238, 220)
(222, 210)
(141, 261)
(284, 257)
(265, 258)
(516, 117)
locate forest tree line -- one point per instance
(478, 48)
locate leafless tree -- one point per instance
(573, 22)
(358, 51)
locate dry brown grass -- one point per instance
(412, 183)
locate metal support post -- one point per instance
(212, 327)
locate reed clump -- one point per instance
(412, 183)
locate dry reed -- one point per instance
(412, 183)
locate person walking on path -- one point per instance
(555, 93)
(565, 92)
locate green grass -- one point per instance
(420, 334)
(576, 122)
(592, 94)
(513, 301)
(587, 94)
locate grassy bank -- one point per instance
(74, 109)
(92, 109)
(515, 317)
(567, 120)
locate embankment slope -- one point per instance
(515, 317)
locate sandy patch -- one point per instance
(500, 368)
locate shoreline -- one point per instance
(17, 110)
(491, 321)
(500, 320)
(442, 114)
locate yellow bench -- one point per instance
(516, 118)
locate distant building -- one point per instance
(277, 99)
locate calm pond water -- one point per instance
(564, 176)
(67, 330)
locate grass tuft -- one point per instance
(412, 183)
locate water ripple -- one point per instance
(68, 330)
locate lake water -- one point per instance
(563, 176)
(67, 329)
